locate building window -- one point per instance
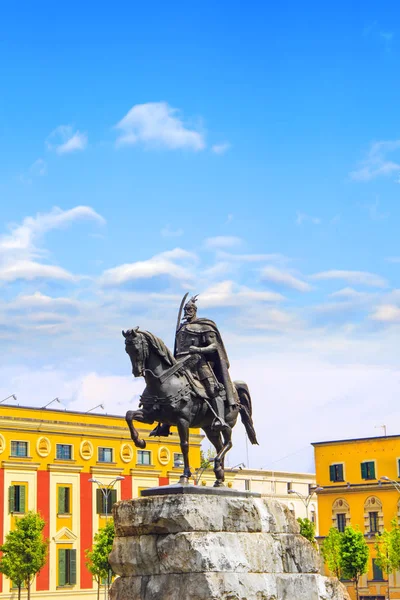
(247, 485)
(336, 472)
(340, 506)
(66, 567)
(16, 498)
(143, 457)
(377, 574)
(19, 449)
(64, 500)
(105, 498)
(313, 516)
(106, 455)
(64, 452)
(368, 470)
(178, 459)
(373, 522)
(341, 521)
(289, 486)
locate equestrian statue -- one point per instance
(190, 388)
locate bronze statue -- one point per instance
(191, 389)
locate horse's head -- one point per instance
(137, 348)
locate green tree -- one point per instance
(24, 551)
(207, 459)
(307, 530)
(387, 548)
(354, 554)
(331, 552)
(97, 557)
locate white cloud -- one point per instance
(228, 293)
(30, 270)
(165, 263)
(349, 293)
(376, 164)
(285, 279)
(220, 269)
(37, 300)
(352, 277)
(222, 241)
(19, 248)
(22, 237)
(64, 140)
(38, 168)
(220, 148)
(303, 218)
(158, 124)
(169, 232)
(387, 313)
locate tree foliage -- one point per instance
(207, 459)
(387, 548)
(24, 551)
(307, 529)
(97, 557)
(331, 552)
(354, 554)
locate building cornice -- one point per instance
(91, 430)
(63, 468)
(145, 472)
(97, 470)
(20, 465)
(354, 488)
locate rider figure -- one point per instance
(201, 337)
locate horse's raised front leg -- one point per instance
(183, 430)
(136, 415)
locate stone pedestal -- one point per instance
(184, 546)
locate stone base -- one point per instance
(187, 488)
(214, 547)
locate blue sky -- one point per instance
(249, 153)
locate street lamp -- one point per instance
(106, 491)
(306, 499)
(94, 408)
(51, 402)
(13, 396)
(396, 484)
(239, 467)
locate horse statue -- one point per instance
(173, 396)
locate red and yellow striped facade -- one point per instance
(45, 452)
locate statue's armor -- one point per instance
(192, 334)
(202, 333)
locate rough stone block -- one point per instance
(200, 547)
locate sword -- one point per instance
(179, 318)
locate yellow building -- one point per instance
(351, 472)
(56, 462)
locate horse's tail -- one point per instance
(246, 410)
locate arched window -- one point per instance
(340, 514)
(373, 515)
